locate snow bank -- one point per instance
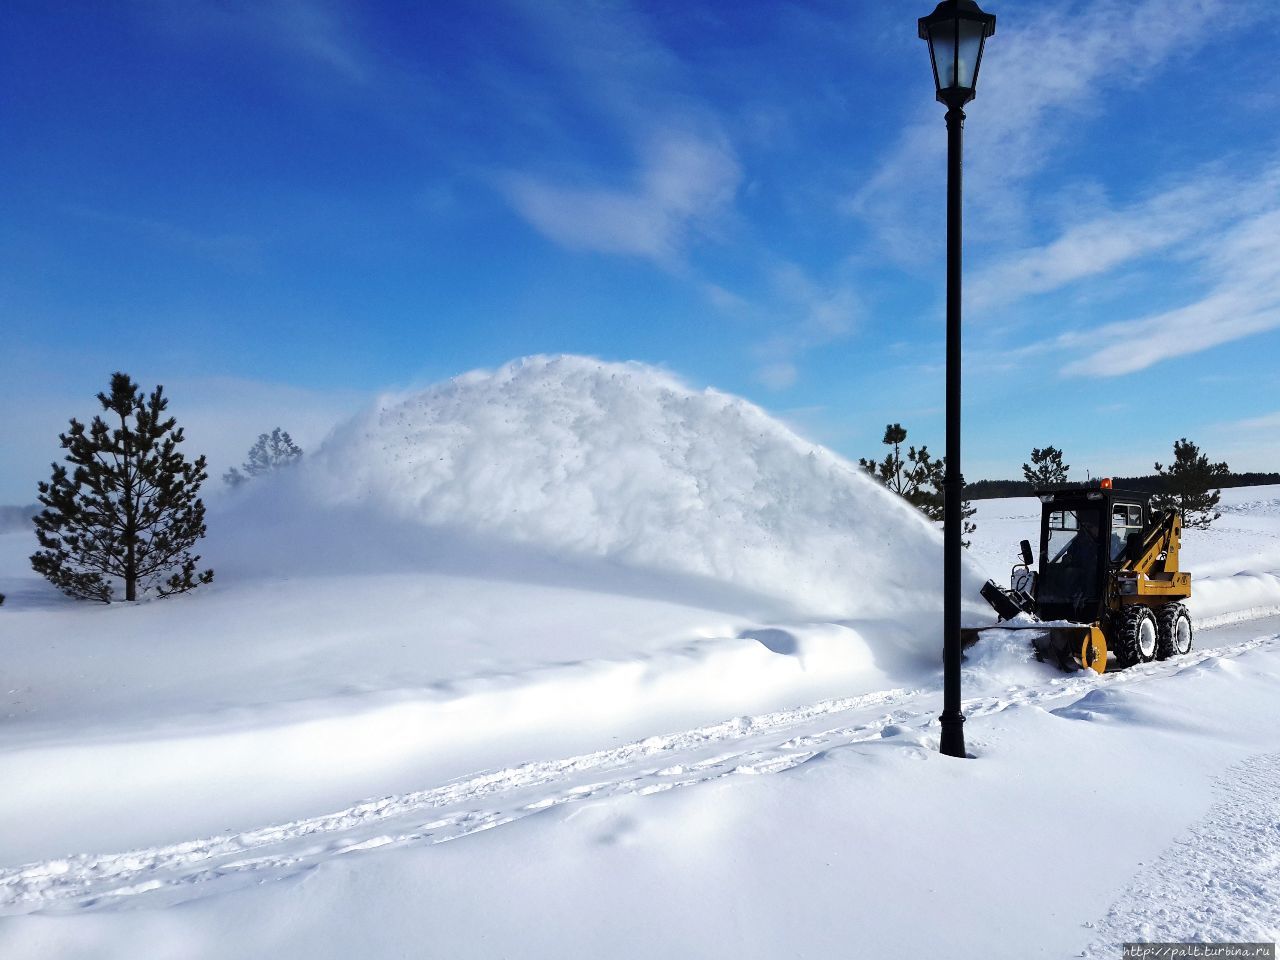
(524, 563)
(1248, 595)
(621, 461)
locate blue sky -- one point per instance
(281, 209)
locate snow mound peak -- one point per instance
(622, 461)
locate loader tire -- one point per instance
(1173, 631)
(1137, 636)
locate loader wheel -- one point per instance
(1136, 636)
(1173, 632)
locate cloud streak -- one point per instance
(805, 314)
(1040, 73)
(320, 31)
(685, 172)
(1218, 231)
(1243, 300)
(1095, 247)
(683, 183)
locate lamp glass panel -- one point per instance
(970, 49)
(942, 40)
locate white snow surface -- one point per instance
(571, 660)
(520, 563)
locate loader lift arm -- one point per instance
(1150, 573)
(1158, 552)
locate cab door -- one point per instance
(1073, 561)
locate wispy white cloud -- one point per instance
(684, 171)
(1103, 243)
(1042, 71)
(232, 250)
(778, 375)
(1212, 232)
(802, 314)
(1243, 300)
(822, 312)
(1217, 232)
(684, 181)
(1268, 423)
(322, 32)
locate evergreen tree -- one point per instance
(128, 508)
(1188, 482)
(967, 510)
(1046, 467)
(272, 452)
(917, 478)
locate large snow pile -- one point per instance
(581, 458)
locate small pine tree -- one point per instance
(273, 451)
(1188, 485)
(918, 478)
(1046, 467)
(128, 508)
(967, 511)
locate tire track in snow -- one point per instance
(768, 743)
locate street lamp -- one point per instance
(956, 31)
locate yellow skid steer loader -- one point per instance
(1107, 581)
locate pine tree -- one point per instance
(1046, 467)
(918, 478)
(273, 451)
(1188, 482)
(128, 508)
(967, 511)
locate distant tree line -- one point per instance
(17, 518)
(1148, 483)
(1191, 484)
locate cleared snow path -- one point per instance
(1220, 882)
(763, 744)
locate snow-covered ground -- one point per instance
(682, 660)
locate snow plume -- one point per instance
(621, 461)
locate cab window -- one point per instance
(1126, 519)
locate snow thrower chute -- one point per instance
(1108, 581)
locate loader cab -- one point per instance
(1084, 533)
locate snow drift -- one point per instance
(621, 461)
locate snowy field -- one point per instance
(665, 671)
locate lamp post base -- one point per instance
(952, 736)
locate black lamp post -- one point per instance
(956, 31)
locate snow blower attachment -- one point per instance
(1108, 582)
